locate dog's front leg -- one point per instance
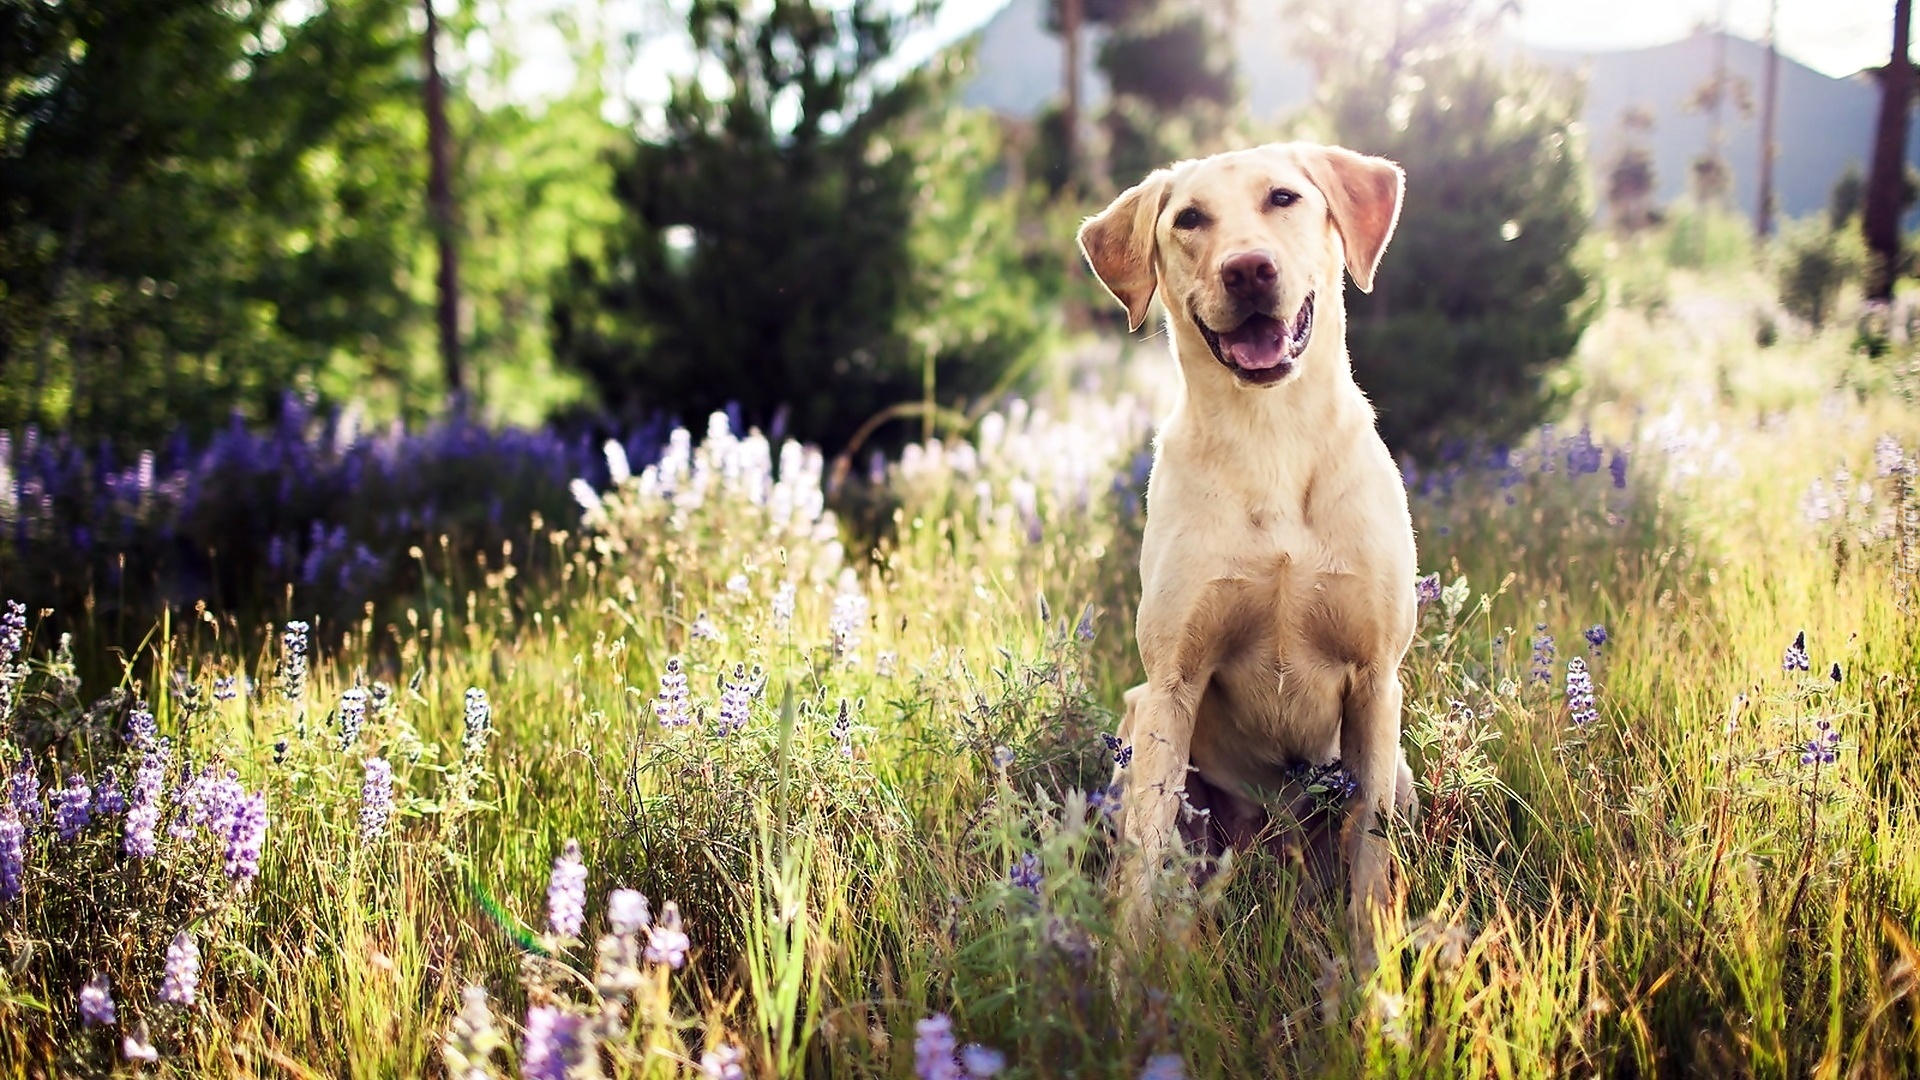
(1370, 750)
(1160, 718)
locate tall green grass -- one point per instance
(908, 820)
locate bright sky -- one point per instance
(1837, 37)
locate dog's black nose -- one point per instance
(1248, 275)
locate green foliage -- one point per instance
(1480, 295)
(1170, 73)
(1708, 236)
(771, 253)
(203, 202)
(1812, 262)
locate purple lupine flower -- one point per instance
(981, 1062)
(293, 662)
(934, 1049)
(627, 911)
(667, 941)
(137, 1045)
(1596, 636)
(72, 807)
(567, 892)
(1084, 629)
(96, 1002)
(842, 730)
(553, 1043)
(1795, 658)
(1889, 459)
(478, 724)
(13, 639)
(142, 728)
(376, 798)
(1823, 748)
(1833, 675)
(1580, 693)
(703, 628)
(672, 706)
(1617, 467)
(1426, 589)
(783, 607)
(1164, 1067)
(226, 687)
(353, 713)
(246, 837)
(13, 854)
(107, 797)
(1027, 874)
(1542, 653)
(723, 1062)
(1122, 752)
(23, 791)
(143, 817)
(849, 617)
(182, 976)
(736, 700)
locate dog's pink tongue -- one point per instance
(1258, 344)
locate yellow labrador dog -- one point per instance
(1278, 563)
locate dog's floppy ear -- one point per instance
(1364, 195)
(1118, 244)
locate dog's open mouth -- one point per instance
(1262, 349)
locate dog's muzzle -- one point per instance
(1262, 350)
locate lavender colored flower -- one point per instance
(478, 720)
(1795, 658)
(293, 661)
(1122, 752)
(667, 941)
(554, 1039)
(246, 837)
(142, 729)
(107, 797)
(96, 1002)
(23, 791)
(1889, 458)
(1002, 756)
(1164, 1067)
(1824, 747)
(143, 817)
(137, 1045)
(72, 807)
(13, 855)
(1617, 467)
(848, 619)
(1580, 693)
(1426, 589)
(353, 714)
(471, 1038)
(1106, 800)
(934, 1049)
(704, 628)
(13, 640)
(1596, 636)
(226, 687)
(1027, 874)
(1542, 653)
(673, 705)
(567, 892)
(376, 798)
(981, 1062)
(783, 607)
(628, 911)
(842, 730)
(736, 700)
(1084, 629)
(182, 977)
(723, 1062)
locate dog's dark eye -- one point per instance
(1190, 218)
(1283, 197)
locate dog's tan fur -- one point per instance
(1278, 562)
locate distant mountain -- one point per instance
(1824, 124)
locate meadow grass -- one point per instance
(874, 784)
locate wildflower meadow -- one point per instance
(755, 762)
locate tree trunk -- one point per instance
(1070, 110)
(440, 210)
(1769, 104)
(1887, 182)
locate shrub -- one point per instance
(1812, 262)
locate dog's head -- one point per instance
(1243, 243)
